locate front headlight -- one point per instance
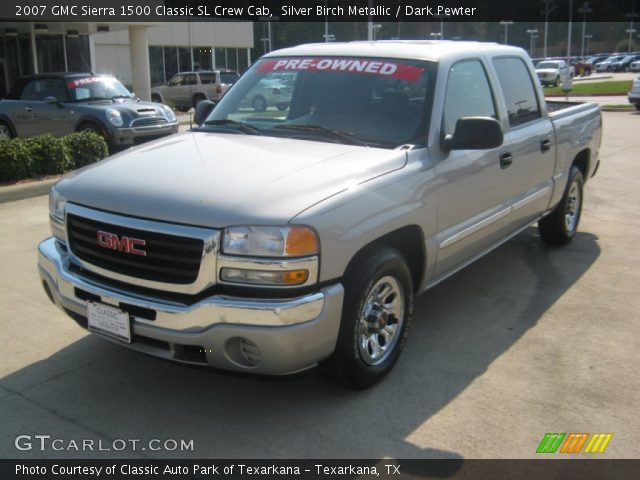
(270, 241)
(168, 113)
(56, 214)
(114, 118)
(56, 204)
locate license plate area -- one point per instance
(109, 321)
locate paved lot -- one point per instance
(528, 340)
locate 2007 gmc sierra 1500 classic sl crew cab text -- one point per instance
(270, 241)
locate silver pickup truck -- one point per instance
(271, 241)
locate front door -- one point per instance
(473, 190)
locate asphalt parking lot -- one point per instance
(528, 340)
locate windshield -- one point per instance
(96, 88)
(377, 102)
(547, 65)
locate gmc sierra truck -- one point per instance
(271, 241)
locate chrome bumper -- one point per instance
(126, 136)
(282, 335)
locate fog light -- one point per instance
(264, 277)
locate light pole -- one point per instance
(532, 32)
(631, 30)
(505, 24)
(374, 30)
(587, 38)
(548, 8)
(569, 32)
(584, 9)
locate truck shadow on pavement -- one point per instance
(94, 389)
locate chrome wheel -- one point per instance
(573, 205)
(4, 131)
(381, 320)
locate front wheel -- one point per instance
(637, 105)
(5, 130)
(259, 103)
(561, 225)
(377, 309)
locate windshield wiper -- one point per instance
(345, 137)
(244, 127)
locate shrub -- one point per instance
(45, 154)
(85, 148)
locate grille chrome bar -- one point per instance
(179, 258)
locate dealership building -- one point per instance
(140, 54)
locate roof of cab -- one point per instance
(432, 50)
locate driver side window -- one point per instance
(468, 94)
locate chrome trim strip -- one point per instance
(210, 237)
(253, 263)
(534, 196)
(456, 237)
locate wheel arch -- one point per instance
(583, 161)
(409, 241)
(9, 123)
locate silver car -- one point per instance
(186, 89)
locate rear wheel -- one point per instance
(377, 309)
(197, 99)
(561, 225)
(5, 130)
(259, 103)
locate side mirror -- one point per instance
(203, 109)
(52, 101)
(474, 133)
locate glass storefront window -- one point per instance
(184, 57)
(202, 58)
(50, 53)
(170, 62)
(156, 67)
(78, 56)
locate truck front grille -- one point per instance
(168, 259)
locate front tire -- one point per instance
(377, 309)
(259, 104)
(561, 225)
(5, 130)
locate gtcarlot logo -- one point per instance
(45, 443)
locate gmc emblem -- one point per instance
(122, 244)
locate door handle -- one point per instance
(28, 109)
(545, 145)
(506, 159)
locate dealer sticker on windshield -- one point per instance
(109, 321)
(371, 66)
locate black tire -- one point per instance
(558, 228)
(197, 98)
(556, 81)
(282, 106)
(637, 105)
(92, 127)
(353, 363)
(155, 98)
(5, 130)
(259, 103)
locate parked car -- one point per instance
(186, 89)
(634, 93)
(624, 65)
(552, 72)
(635, 66)
(267, 244)
(268, 93)
(62, 103)
(596, 59)
(607, 65)
(581, 67)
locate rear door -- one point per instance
(530, 138)
(172, 92)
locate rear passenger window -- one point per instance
(519, 90)
(468, 94)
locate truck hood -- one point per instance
(217, 179)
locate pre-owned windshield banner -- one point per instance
(385, 68)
